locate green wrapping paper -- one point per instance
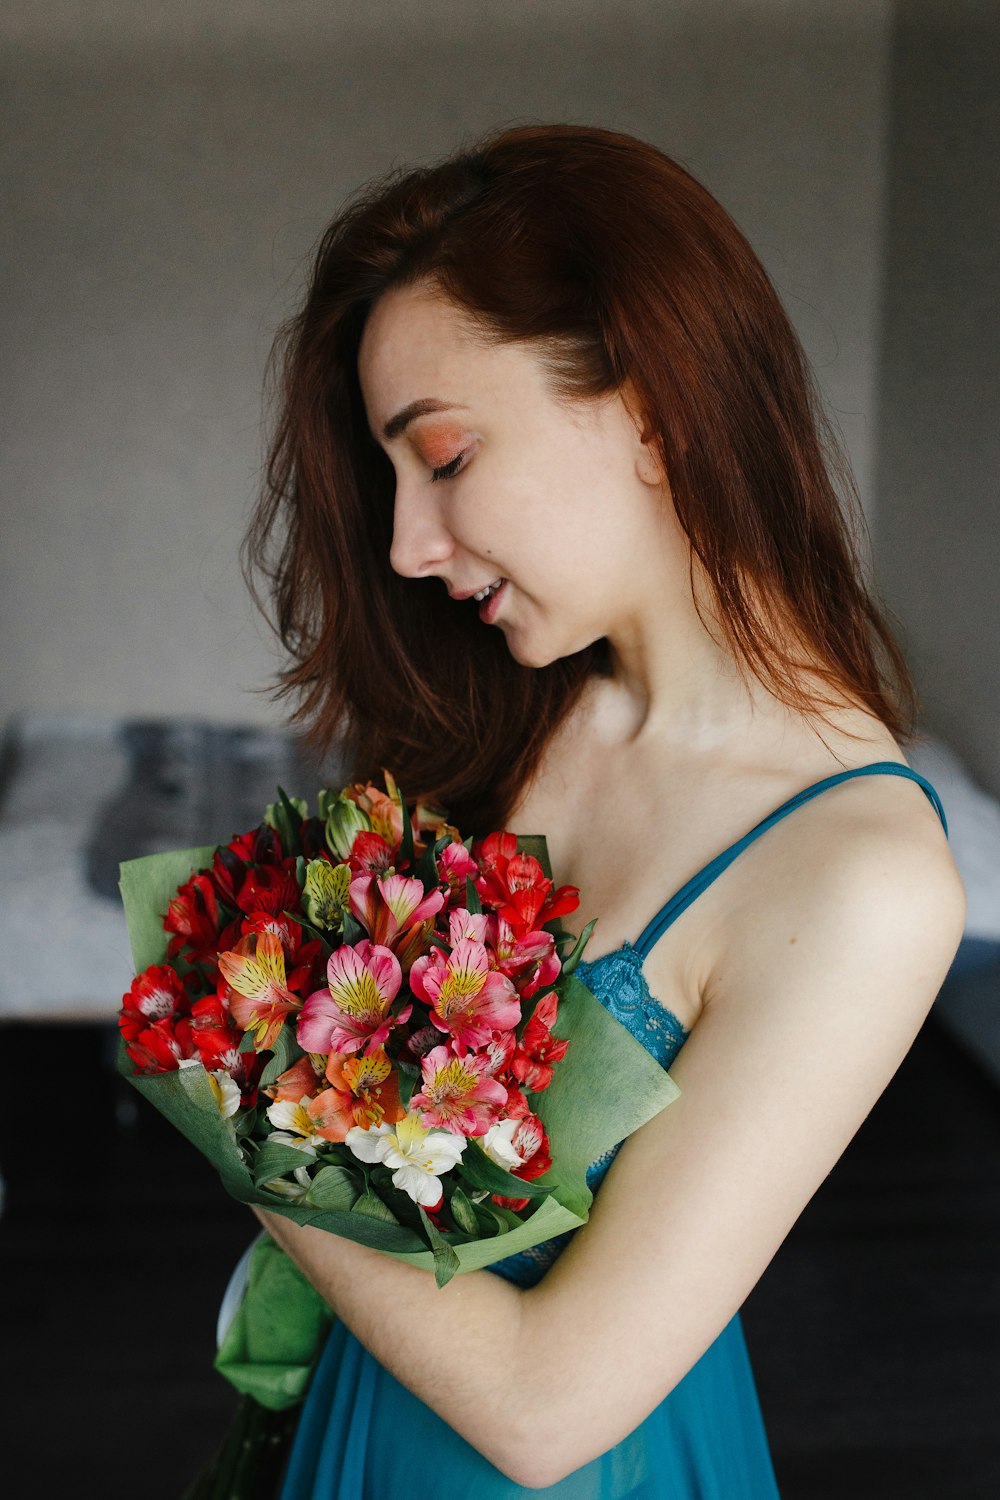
(276, 1336)
(605, 1087)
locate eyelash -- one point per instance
(448, 470)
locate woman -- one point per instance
(551, 371)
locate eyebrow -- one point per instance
(403, 418)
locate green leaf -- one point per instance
(286, 1050)
(407, 1082)
(244, 1121)
(406, 844)
(482, 1172)
(353, 929)
(463, 1212)
(334, 1187)
(427, 870)
(510, 1218)
(572, 958)
(371, 1205)
(472, 900)
(286, 817)
(446, 1261)
(489, 1220)
(274, 1159)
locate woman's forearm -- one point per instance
(461, 1349)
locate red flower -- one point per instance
(214, 1031)
(516, 886)
(538, 1049)
(261, 846)
(371, 854)
(517, 1106)
(155, 995)
(161, 1046)
(456, 865)
(193, 918)
(271, 889)
(530, 961)
(532, 1145)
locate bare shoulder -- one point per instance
(864, 887)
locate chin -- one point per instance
(528, 659)
(535, 654)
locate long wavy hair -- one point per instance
(614, 263)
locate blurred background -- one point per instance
(167, 172)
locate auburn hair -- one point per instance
(615, 263)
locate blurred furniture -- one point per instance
(80, 794)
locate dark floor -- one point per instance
(875, 1333)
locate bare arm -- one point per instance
(801, 1033)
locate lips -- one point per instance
(471, 593)
(489, 607)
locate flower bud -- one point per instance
(345, 819)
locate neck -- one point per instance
(670, 673)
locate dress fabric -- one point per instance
(364, 1436)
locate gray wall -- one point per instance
(937, 532)
(169, 168)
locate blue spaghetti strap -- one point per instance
(700, 882)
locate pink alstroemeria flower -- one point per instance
(530, 961)
(364, 979)
(458, 1093)
(455, 866)
(387, 905)
(467, 998)
(477, 925)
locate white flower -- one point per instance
(226, 1091)
(285, 1138)
(417, 1155)
(289, 1116)
(497, 1144)
(294, 1190)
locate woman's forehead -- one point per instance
(412, 320)
(417, 344)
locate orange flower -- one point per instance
(370, 1087)
(255, 971)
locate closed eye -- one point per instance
(448, 470)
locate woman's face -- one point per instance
(497, 479)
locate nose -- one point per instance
(421, 543)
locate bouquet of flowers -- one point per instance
(370, 1024)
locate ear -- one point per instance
(649, 463)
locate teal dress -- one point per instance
(363, 1436)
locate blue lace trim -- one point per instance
(619, 983)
